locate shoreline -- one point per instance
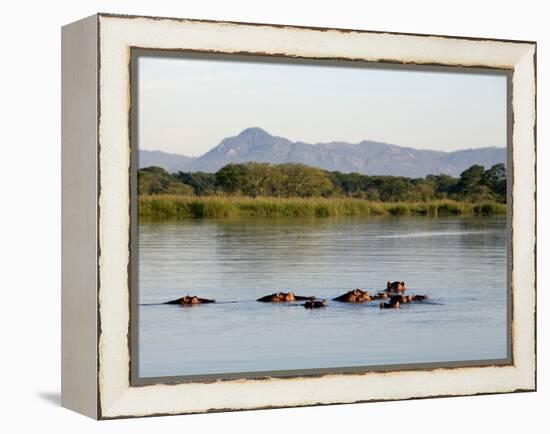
(183, 206)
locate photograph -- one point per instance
(303, 217)
(272, 218)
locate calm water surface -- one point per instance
(459, 262)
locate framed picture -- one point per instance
(263, 216)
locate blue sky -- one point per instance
(187, 106)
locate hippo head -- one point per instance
(289, 296)
(277, 297)
(395, 287)
(352, 296)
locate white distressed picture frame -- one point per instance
(96, 134)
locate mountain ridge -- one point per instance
(366, 157)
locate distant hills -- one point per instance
(171, 162)
(366, 157)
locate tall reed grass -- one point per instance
(163, 206)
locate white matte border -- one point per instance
(117, 35)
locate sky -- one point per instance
(188, 105)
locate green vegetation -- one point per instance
(156, 180)
(284, 190)
(296, 180)
(238, 206)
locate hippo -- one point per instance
(389, 305)
(193, 299)
(380, 295)
(395, 287)
(407, 298)
(401, 298)
(315, 304)
(283, 297)
(355, 296)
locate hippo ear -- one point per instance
(403, 283)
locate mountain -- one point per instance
(171, 162)
(366, 157)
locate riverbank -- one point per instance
(179, 206)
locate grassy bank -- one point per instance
(232, 206)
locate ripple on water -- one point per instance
(459, 262)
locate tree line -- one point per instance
(297, 180)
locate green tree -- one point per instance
(298, 180)
(469, 181)
(201, 182)
(442, 184)
(495, 179)
(305, 181)
(156, 180)
(232, 178)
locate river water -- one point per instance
(459, 262)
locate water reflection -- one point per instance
(459, 262)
